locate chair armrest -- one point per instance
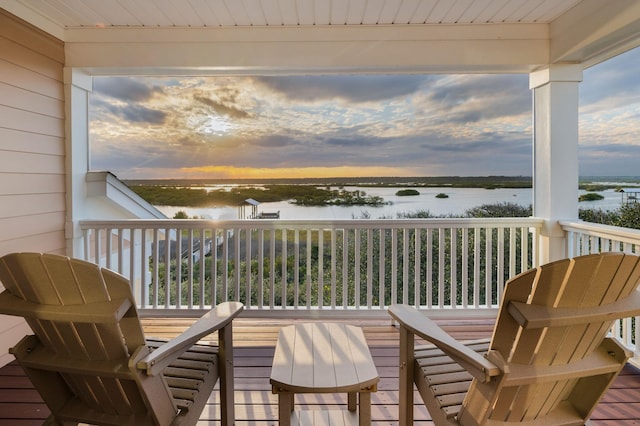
(418, 324)
(217, 318)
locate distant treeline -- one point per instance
(389, 181)
(304, 195)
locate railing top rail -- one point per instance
(596, 229)
(313, 224)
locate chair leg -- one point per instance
(227, 407)
(405, 394)
(52, 421)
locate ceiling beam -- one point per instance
(594, 31)
(460, 48)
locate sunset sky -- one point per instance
(351, 125)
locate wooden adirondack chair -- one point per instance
(89, 358)
(549, 360)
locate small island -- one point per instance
(442, 195)
(591, 196)
(407, 192)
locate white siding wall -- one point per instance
(32, 157)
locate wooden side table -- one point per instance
(324, 358)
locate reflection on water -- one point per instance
(460, 200)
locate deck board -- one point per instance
(254, 345)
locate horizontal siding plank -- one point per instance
(20, 141)
(22, 205)
(49, 242)
(31, 60)
(15, 97)
(30, 37)
(20, 162)
(39, 224)
(29, 80)
(11, 118)
(24, 184)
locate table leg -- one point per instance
(365, 409)
(352, 401)
(285, 407)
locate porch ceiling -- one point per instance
(197, 36)
(231, 13)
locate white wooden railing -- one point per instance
(587, 238)
(347, 267)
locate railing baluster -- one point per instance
(236, 270)
(465, 268)
(512, 251)
(320, 268)
(429, 278)
(417, 267)
(356, 268)
(488, 269)
(369, 268)
(296, 270)
(333, 268)
(201, 258)
(476, 267)
(441, 274)
(224, 278)
(453, 259)
(272, 268)
(248, 277)
(500, 265)
(214, 267)
(383, 270)
(190, 269)
(179, 268)
(260, 268)
(405, 266)
(394, 265)
(345, 267)
(167, 257)
(283, 269)
(308, 283)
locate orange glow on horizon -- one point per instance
(230, 172)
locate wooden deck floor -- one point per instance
(254, 343)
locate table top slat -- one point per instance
(363, 361)
(324, 359)
(345, 367)
(282, 367)
(302, 373)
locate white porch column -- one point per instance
(78, 86)
(555, 156)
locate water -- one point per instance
(460, 200)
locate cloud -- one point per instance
(221, 108)
(136, 113)
(609, 160)
(475, 98)
(125, 88)
(349, 88)
(611, 82)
